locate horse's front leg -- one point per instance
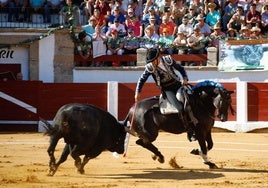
(203, 153)
(152, 148)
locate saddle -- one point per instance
(182, 95)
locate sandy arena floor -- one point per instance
(242, 159)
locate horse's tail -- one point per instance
(49, 128)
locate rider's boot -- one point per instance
(189, 130)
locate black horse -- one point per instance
(207, 97)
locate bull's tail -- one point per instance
(49, 129)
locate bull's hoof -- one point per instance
(195, 152)
(211, 165)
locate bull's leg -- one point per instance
(152, 148)
(75, 153)
(52, 160)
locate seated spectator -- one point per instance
(115, 46)
(152, 22)
(191, 16)
(103, 7)
(165, 42)
(178, 11)
(196, 44)
(150, 38)
(180, 45)
(116, 14)
(198, 6)
(151, 14)
(101, 21)
(216, 35)
(213, 16)
(151, 5)
(229, 11)
(185, 28)
(253, 17)
(264, 20)
(132, 22)
(65, 13)
(169, 25)
(137, 7)
(117, 26)
(83, 47)
(231, 34)
(204, 27)
(255, 33)
(131, 44)
(245, 32)
(237, 20)
(90, 27)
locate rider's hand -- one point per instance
(185, 81)
(137, 97)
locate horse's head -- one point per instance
(223, 102)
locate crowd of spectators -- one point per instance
(175, 26)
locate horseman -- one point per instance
(162, 71)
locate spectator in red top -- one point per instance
(253, 17)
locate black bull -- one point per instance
(87, 130)
(204, 101)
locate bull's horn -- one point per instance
(128, 130)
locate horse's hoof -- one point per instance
(195, 152)
(51, 172)
(154, 157)
(211, 165)
(161, 159)
(81, 171)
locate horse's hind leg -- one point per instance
(152, 148)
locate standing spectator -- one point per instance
(90, 27)
(178, 10)
(165, 42)
(264, 21)
(37, 7)
(213, 16)
(83, 47)
(70, 8)
(185, 28)
(115, 46)
(131, 44)
(150, 38)
(99, 18)
(14, 8)
(132, 22)
(204, 27)
(196, 44)
(53, 7)
(121, 30)
(169, 25)
(237, 20)
(229, 11)
(253, 17)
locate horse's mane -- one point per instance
(207, 83)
